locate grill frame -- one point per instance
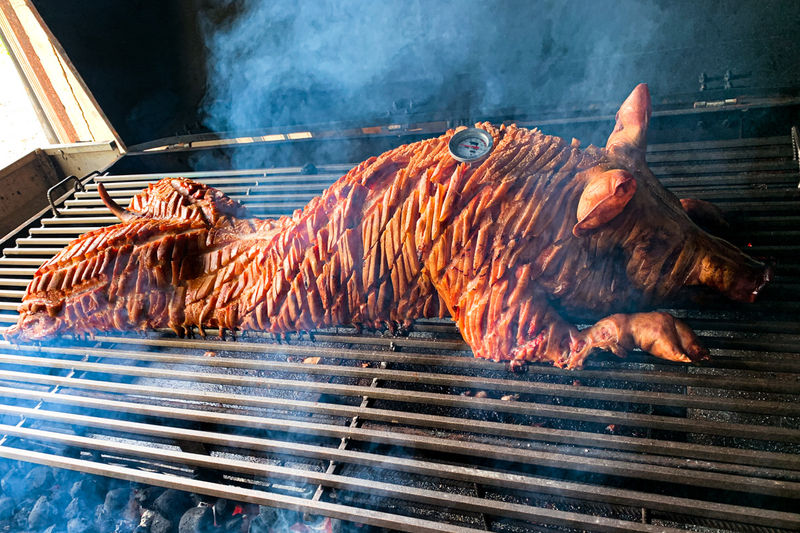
(409, 394)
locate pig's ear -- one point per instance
(603, 198)
(630, 132)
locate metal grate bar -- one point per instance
(722, 167)
(661, 377)
(719, 144)
(355, 422)
(260, 196)
(468, 382)
(66, 220)
(524, 408)
(776, 151)
(218, 490)
(212, 174)
(721, 511)
(429, 497)
(277, 187)
(693, 445)
(473, 474)
(734, 456)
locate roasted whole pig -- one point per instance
(508, 246)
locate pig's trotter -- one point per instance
(657, 333)
(516, 366)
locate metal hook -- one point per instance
(77, 187)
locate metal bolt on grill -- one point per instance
(412, 433)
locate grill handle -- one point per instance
(77, 187)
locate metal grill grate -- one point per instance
(412, 433)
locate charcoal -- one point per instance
(173, 503)
(146, 519)
(20, 520)
(42, 515)
(197, 520)
(322, 523)
(124, 526)
(223, 508)
(161, 524)
(7, 507)
(38, 479)
(79, 525)
(117, 499)
(65, 478)
(88, 489)
(13, 484)
(267, 517)
(234, 525)
(259, 525)
(77, 507)
(269, 513)
(146, 496)
(103, 519)
(59, 498)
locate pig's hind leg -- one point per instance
(518, 326)
(657, 333)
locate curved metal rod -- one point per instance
(77, 187)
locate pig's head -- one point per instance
(624, 207)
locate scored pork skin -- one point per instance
(503, 246)
(374, 247)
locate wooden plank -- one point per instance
(23, 189)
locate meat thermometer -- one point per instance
(471, 144)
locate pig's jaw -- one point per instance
(734, 274)
(740, 286)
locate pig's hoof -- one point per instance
(516, 366)
(574, 362)
(666, 337)
(698, 353)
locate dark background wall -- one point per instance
(160, 68)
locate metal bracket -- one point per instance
(77, 187)
(725, 81)
(796, 149)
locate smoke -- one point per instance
(282, 64)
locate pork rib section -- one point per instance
(508, 247)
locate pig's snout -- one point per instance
(749, 290)
(734, 274)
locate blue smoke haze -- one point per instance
(284, 63)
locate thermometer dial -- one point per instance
(471, 144)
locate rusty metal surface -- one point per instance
(412, 433)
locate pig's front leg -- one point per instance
(657, 333)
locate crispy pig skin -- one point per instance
(406, 235)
